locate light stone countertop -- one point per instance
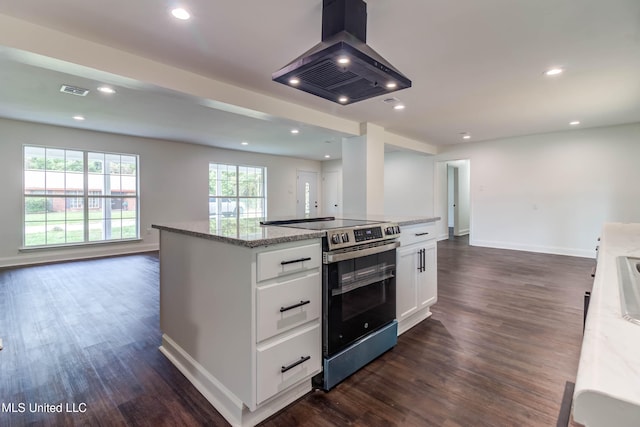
(256, 236)
(403, 220)
(271, 234)
(607, 390)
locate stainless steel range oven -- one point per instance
(359, 293)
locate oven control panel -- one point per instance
(343, 238)
(369, 233)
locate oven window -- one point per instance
(363, 299)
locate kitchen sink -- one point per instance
(629, 279)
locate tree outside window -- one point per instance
(236, 198)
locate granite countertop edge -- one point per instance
(280, 234)
(295, 236)
(414, 221)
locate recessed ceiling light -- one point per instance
(244, 143)
(180, 13)
(398, 107)
(294, 81)
(343, 60)
(466, 137)
(106, 89)
(295, 131)
(343, 99)
(575, 123)
(553, 71)
(392, 85)
(78, 118)
(326, 156)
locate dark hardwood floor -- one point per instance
(501, 346)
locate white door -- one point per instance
(307, 195)
(456, 202)
(331, 194)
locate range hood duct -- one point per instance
(318, 71)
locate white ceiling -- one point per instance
(476, 67)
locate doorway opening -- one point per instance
(454, 198)
(307, 194)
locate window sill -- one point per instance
(77, 245)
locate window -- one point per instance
(236, 198)
(76, 197)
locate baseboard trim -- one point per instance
(413, 320)
(225, 402)
(76, 254)
(463, 232)
(531, 248)
(229, 406)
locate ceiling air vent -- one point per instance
(74, 90)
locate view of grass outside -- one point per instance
(57, 228)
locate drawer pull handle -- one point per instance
(291, 307)
(293, 261)
(294, 364)
(422, 234)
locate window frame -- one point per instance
(237, 198)
(86, 197)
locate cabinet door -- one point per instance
(288, 360)
(407, 282)
(285, 305)
(428, 279)
(281, 262)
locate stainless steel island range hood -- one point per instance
(342, 67)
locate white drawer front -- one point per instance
(284, 261)
(297, 354)
(417, 233)
(285, 305)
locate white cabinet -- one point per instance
(416, 276)
(279, 262)
(288, 307)
(286, 361)
(242, 323)
(284, 305)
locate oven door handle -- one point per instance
(331, 257)
(362, 283)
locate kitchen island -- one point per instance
(607, 390)
(240, 311)
(240, 314)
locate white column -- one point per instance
(363, 172)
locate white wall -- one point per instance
(354, 177)
(552, 192)
(173, 184)
(408, 184)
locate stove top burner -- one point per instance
(329, 224)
